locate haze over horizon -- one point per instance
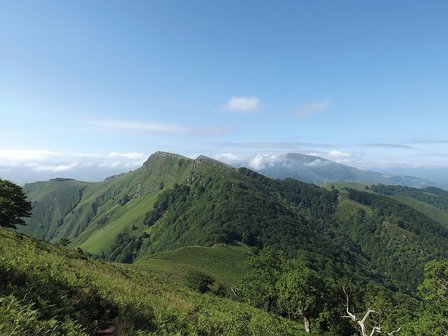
(90, 85)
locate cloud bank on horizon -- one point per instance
(32, 165)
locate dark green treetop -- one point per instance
(13, 205)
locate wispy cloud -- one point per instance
(124, 126)
(281, 145)
(388, 145)
(431, 141)
(312, 108)
(53, 168)
(243, 104)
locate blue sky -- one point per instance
(88, 82)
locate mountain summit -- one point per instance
(317, 170)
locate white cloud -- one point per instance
(140, 126)
(257, 163)
(54, 168)
(14, 155)
(317, 163)
(313, 108)
(339, 155)
(227, 157)
(261, 160)
(243, 104)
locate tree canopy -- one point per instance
(13, 205)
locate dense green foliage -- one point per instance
(431, 195)
(288, 288)
(434, 290)
(399, 239)
(13, 205)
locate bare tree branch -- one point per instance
(374, 330)
(393, 332)
(362, 323)
(367, 315)
(350, 315)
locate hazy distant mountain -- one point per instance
(439, 175)
(317, 170)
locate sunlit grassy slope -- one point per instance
(425, 208)
(98, 212)
(48, 210)
(47, 290)
(224, 263)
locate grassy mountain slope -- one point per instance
(52, 202)
(106, 208)
(47, 290)
(225, 263)
(173, 202)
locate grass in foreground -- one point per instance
(47, 290)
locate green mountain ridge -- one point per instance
(173, 202)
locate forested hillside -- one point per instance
(173, 202)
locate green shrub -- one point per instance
(199, 281)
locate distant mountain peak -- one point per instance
(318, 170)
(160, 155)
(295, 156)
(168, 154)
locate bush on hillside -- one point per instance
(199, 281)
